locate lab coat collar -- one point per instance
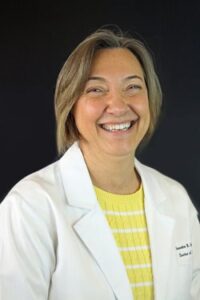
(76, 179)
(148, 181)
(73, 160)
(160, 222)
(92, 228)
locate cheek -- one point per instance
(143, 110)
(141, 106)
(91, 111)
(87, 111)
(146, 113)
(78, 114)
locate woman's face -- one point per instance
(112, 114)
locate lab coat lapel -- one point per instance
(95, 233)
(160, 232)
(160, 228)
(92, 228)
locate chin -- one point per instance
(120, 151)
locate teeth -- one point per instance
(115, 127)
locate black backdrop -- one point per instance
(34, 43)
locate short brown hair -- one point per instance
(74, 74)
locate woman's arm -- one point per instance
(27, 254)
(195, 289)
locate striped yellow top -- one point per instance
(126, 216)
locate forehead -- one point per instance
(115, 59)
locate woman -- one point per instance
(98, 224)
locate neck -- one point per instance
(114, 174)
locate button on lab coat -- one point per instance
(55, 242)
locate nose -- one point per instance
(117, 104)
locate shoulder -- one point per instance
(44, 189)
(28, 226)
(48, 181)
(39, 181)
(161, 186)
(34, 194)
(158, 177)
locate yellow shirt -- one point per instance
(126, 216)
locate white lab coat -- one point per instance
(55, 242)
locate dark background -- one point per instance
(36, 39)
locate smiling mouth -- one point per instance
(118, 127)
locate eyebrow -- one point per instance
(133, 77)
(124, 79)
(96, 78)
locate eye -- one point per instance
(134, 87)
(95, 90)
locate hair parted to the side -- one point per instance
(75, 72)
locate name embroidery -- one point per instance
(184, 250)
